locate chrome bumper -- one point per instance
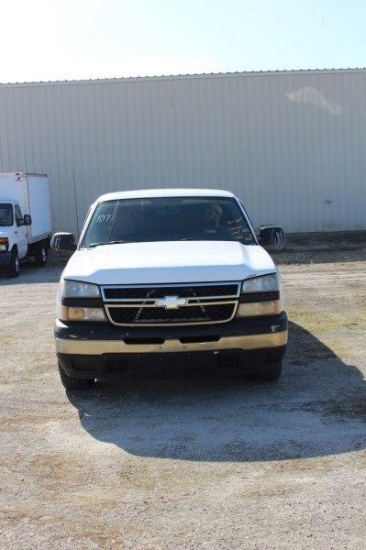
(100, 347)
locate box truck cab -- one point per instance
(25, 220)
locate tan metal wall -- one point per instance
(291, 145)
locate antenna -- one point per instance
(76, 204)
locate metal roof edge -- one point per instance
(183, 77)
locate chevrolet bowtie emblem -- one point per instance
(171, 302)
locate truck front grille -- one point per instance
(146, 292)
(160, 315)
(166, 305)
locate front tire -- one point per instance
(40, 255)
(13, 269)
(71, 383)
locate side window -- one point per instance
(6, 215)
(18, 215)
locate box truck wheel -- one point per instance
(40, 254)
(13, 269)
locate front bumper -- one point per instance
(98, 350)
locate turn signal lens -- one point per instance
(256, 309)
(82, 314)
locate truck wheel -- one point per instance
(71, 383)
(40, 255)
(272, 373)
(13, 269)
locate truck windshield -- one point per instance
(6, 215)
(168, 219)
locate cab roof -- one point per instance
(150, 193)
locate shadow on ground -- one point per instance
(33, 274)
(322, 248)
(318, 408)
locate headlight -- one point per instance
(4, 244)
(265, 283)
(76, 289)
(261, 296)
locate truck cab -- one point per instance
(13, 235)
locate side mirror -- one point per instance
(63, 241)
(272, 237)
(27, 219)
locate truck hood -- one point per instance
(168, 262)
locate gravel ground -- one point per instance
(191, 463)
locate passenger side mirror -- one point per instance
(63, 241)
(272, 237)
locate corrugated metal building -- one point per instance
(292, 145)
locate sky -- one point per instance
(49, 40)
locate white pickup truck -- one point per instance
(167, 278)
(25, 220)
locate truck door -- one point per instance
(20, 232)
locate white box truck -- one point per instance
(25, 219)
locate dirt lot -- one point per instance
(191, 463)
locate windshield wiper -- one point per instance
(120, 241)
(93, 245)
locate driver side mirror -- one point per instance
(272, 237)
(63, 241)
